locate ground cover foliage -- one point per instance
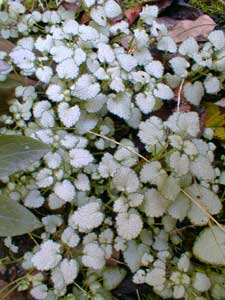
(121, 109)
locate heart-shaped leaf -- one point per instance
(194, 92)
(15, 219)
(210, 246)
(18, 152)
(112, 277)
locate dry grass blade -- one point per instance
(179, 95)
(138, 294)
(204, 210)
(117, 143)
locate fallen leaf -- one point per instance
(163, 4)
(221, 102)
(199, 29)
(72, 6)
(14, 80)
(125, 41)
(169, 22)
(215, 119)
(185, 107)
(85, 18)
(183, 11)
(132, 13)
(114, 259)
(6, 45)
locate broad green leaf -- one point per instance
(15, 219)
(18, 152)
(7, 89)
(210, 246)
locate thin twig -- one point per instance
(179, 95)
(41, 5)
(117, 143)
(138, 295)
(214, 236)
(33, 239)
(203, 209)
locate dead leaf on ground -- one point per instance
(14, 80)
(169, 22)
(199, 29)
(132, 13)
(215, 119)
(116, 20)
(114, 259)
(183, 11)
(163, 4)
(72, 6)
(6, 45)
(126, 41)
(85, 18)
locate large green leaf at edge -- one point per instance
(18, 152)
(15, 219)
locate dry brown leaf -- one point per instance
(181, 10)
(114, 259)
(163, 4)
(169, 22)
(75, 6)
(6, 45)
(116, 20)
(85, 18)
(132, 13)
(16, 80)
(199, 29)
